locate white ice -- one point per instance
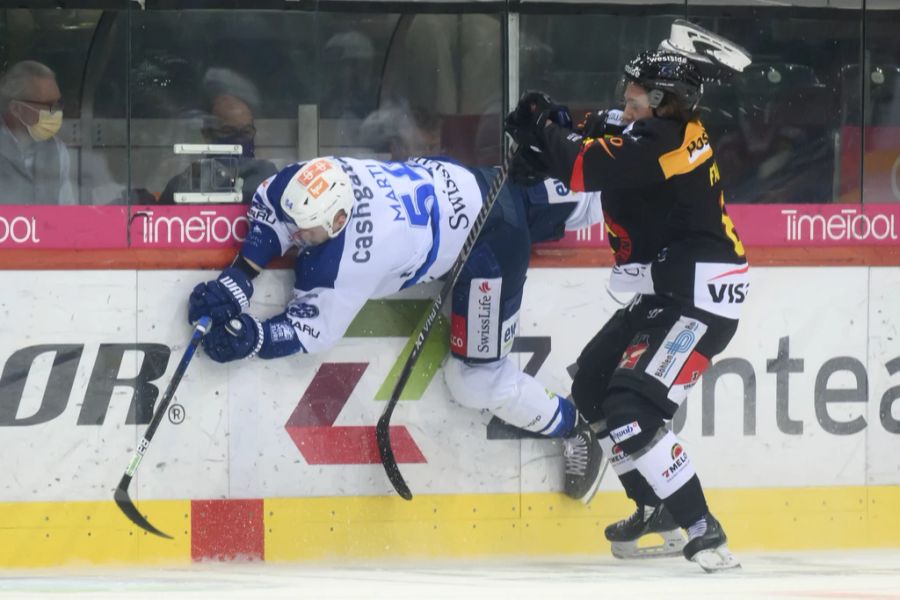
(866, 574)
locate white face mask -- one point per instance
(48, 124)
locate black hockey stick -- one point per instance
(383, 429)
(121, 495)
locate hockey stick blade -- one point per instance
(383, 428)
(388, 460)
(123, 501)
(127, 506)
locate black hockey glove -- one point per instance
(598, 123)
(526, 122)
(528, 167)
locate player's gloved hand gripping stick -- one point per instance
(121, 494)
(382, 429)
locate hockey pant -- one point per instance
(484, 321)
(632, 377)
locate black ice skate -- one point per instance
(707, 548)
(585, 463)
(626, 534)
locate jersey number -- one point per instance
(416, 206)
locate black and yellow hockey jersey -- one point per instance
(664, 209)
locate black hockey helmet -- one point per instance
(662, 72)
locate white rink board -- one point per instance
(233, 443)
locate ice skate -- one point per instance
(706, 546)
(585, 463)
(626, 534)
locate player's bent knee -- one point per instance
(632, 422)
(586, 395)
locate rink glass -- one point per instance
(813, 120)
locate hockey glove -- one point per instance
(221, 299)
(596, 124)
(526, 122)
(241, 337)
(528, 167)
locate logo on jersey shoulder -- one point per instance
(303, 311)
(698, 147)
(485, 287)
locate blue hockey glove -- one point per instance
(221, 299)
(239, 338)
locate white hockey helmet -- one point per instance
(317, 193)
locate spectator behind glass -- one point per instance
(230, 122)
(34, 163)
(401, 132)
(349, 85)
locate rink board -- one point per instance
(431, 526)
(796, 437)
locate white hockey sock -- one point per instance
(516, 397)
(664, 464)
(618, 459)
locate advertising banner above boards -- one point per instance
(203, 227)
(807, 394)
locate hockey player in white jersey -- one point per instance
(367, 229)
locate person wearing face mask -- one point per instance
(34, 163)
(230, 122)
(676, 249)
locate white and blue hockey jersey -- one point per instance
(407, 226)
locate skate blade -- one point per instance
(716, 559)
(586, 499)
(672, 544)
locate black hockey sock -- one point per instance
(637, 488)
(687, 504)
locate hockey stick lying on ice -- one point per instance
(121, 495)
(383, 429)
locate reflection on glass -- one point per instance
(806, 123)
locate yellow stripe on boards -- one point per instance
(549, 524)
(44, 534)
(467, 525)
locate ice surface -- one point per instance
(864, 574)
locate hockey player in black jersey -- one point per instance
(678, 251)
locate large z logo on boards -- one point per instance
(311, 425)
